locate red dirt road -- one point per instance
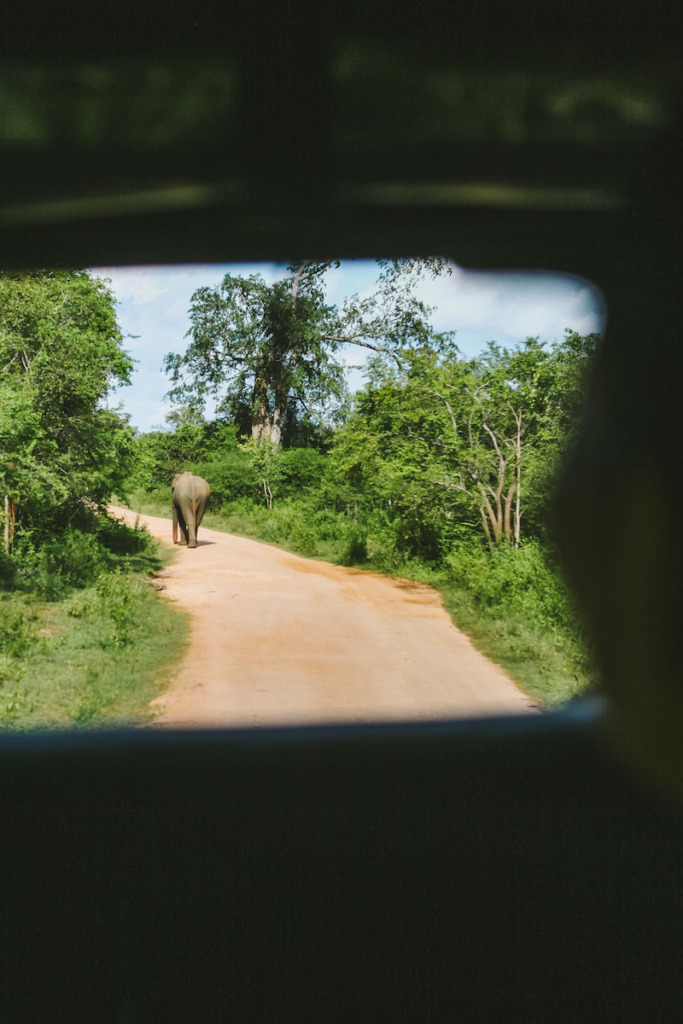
(278, 639)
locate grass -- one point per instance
(95, 656)
(513, 606)
(550, 665)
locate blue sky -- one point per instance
(480, 306)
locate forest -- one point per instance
(441, 468)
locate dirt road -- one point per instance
(278, 639)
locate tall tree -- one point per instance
(60, 355)
(397, 450)
(442, 438)
(511, 411)
(505, 395)
(272, 347)
(258, 345)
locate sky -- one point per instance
(507, 307)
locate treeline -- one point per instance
(442, 451)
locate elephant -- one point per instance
(190, 495)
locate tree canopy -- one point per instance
(443, 439)
(270, 350)
(61, 353)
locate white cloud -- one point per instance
(139, 285)
(510, 306)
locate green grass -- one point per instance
(88, 656)
(551, 665)
(96, 658)
(514, 606)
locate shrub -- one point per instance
(120, 596)
(516, 579)
(355, 549)
(8, 570)
(299, 469)
(17, 628)
(120, 539)
(231, 476)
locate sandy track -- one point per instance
(278, 639)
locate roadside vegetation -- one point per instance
(91, 654)
(83, 639)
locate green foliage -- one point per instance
(258, 347)
(160, 455)
(519, 579)
(444, 444)
(8, 569)
(300, 469)
(355, 551)
(267, 353)
(234, 472)
(60, 356)
(116, 597)
(93, 658)
(232, 476)
(82, 638)
(17, 627)
(516, 606)
(91, 544)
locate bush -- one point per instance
(8, 570)
(355, 549)
(17, 628)
(518, 580)
(299, 469)
(119, 539)
(70, 560)
(76, 555)
(231, 476)
(120, 597)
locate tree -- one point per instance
(441, 438)
(271, 348)
(397, 449)
(514, 413)
(570, 363)
(506, 394)
(258, 345)
(60, 355)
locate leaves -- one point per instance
(272, 348)
(260, 346)
(450, 440)
(60, 355)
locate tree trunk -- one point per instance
(485, 524)
(495, 515)
(10, 519)
(518, 496)
(263, 425)
(278, 417)
(260, 424)
(507, 528)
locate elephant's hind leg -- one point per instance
(183, 527)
